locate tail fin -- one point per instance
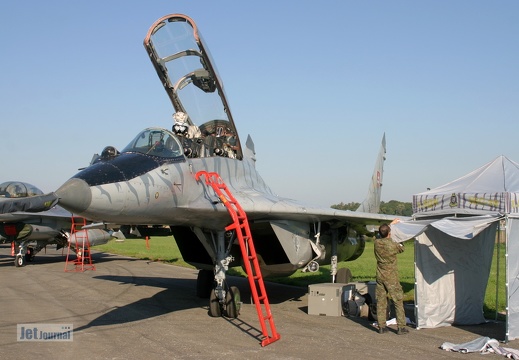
(372, 202)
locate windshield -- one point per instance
(16, 189)
(202, 121)
(155, 142)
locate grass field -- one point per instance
(164, 249)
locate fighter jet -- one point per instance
(154, 181)
(30, 232)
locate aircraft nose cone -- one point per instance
(75, 195)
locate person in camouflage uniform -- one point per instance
(388, 282)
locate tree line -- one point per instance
(392, 207)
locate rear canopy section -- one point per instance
(188, 74)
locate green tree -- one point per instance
(350, 206)
(392, 207)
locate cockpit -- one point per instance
(155, 142)
(18, 189)
(214, 138)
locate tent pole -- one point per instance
(507, 275)
(498, 265)
(415, 292)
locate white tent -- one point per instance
(455, 229)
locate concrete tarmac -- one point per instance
(130, 308)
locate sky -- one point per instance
(315, 84)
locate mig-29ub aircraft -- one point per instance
(153, 180)
(32, 231)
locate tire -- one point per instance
(232, 302)
(19, 261)
(215, 309)
(372, 308)
(343, 276)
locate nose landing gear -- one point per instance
(226, 303)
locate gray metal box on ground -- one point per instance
(325, 299)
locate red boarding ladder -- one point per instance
(250, 259)
(82, 259)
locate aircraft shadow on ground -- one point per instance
(56, 256)
(180, 294)
(40, 258)
(173, 298)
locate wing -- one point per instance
(56, 212)
(266, 208)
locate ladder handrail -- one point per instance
(76, 227)
(240, 224)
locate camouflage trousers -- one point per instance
(392, 288)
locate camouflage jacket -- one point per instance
(385, 253)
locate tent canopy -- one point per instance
(493, 188)
(464, 228)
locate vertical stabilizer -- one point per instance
(249, 151)
(372, 202)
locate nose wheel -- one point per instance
(24, 254)
(229, 307)
(215, 308)
(232, 302)
(19, 261)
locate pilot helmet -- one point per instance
(109, 152)
(180, 117)
(180, 126)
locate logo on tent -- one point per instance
(454, 200)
